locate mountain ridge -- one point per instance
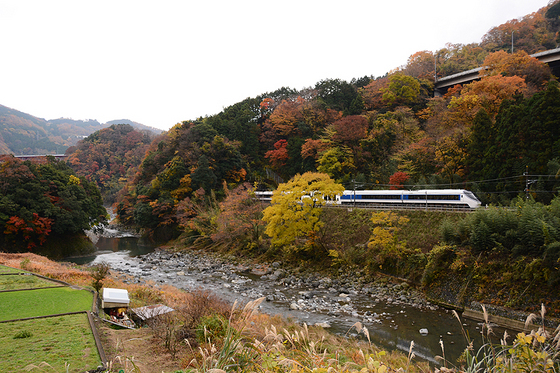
(24, 134)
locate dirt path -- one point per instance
(127, 348)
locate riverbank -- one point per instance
(275, 282)
(308, 295)
(395, 313)
(261, 336)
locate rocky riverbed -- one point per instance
(394, 313)
(289, 290)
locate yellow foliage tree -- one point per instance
(383, 240)
(295, 207)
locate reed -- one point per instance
(534, 351)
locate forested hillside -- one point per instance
(369, 133)
(109, 157)
(376, 133)
(24, 134)
(45, 207)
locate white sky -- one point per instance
(161, 62)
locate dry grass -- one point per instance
(253, 342)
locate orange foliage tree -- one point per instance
(420, 65)
(372, 94)
(239, 221)
(520, 64)
(489, 92)
(312, 148)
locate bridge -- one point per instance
(40, 156)
(551, 57)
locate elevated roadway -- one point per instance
(551, 57)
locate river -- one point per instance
(393, 318)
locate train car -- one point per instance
(417, 198)
(265, 195)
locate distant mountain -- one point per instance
(136, 125)
(21, 133)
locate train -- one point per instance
(414, 198)
(428, 198)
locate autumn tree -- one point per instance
(279, 155)
(455, 58)
(33, 232)
(109, 157)
(398, 179)
(372, 94)
(313, 148)
(386, 250)
(350, 130)
(239, 224)
(284, 121)
(336, 162)
(533, 72)
(487, 93)
(530, 34)
(418, 159)
(293, 216)
(402, 90)
(420, 65)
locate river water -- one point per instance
(391, 324)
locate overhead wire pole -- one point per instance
(526, 173)
(435, 67)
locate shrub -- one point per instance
(438, 259)
(448, 232)
(212, 329)
(98, 273)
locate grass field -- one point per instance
(56, 341)
(4, 269)
(14, 282)
(42, 302)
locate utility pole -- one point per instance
(435, 67)
(512, 41)
(526, 173)
(354, 189)
(528, 182)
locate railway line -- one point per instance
(458, 200)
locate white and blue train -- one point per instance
(429, 198)
(413, 198)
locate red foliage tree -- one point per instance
(279, 155)
(398, 179)
(350, 129)
(34, 231)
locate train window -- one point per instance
(444, 197)
(439, 197)
(416, 196)
(391, 196)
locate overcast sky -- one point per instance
(161, 62)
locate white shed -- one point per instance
(114, 298)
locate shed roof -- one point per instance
(111, 295)
(147, 312)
